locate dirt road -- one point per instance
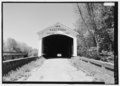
(58, 70)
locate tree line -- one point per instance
(95, 25)
(11, 45)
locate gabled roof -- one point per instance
(58, 28)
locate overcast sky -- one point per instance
(22, 21)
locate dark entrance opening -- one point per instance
(56, 46)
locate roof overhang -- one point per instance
(57, 29)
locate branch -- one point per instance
(80, 12)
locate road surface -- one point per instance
(58, 70)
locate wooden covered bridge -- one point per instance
(58, 40)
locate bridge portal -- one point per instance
(57, 46)
(57, 41)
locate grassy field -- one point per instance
(100, 74)
(24, 71)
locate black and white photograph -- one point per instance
(59, 42)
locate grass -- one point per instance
(24, 71)
(100, 74)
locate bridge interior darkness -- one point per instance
(57, 46)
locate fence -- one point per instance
(102, 64)
(13, 55)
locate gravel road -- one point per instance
(58, 70)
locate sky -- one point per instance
(22, 21)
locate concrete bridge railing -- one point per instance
(9, 65)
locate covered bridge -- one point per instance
(57, 41)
